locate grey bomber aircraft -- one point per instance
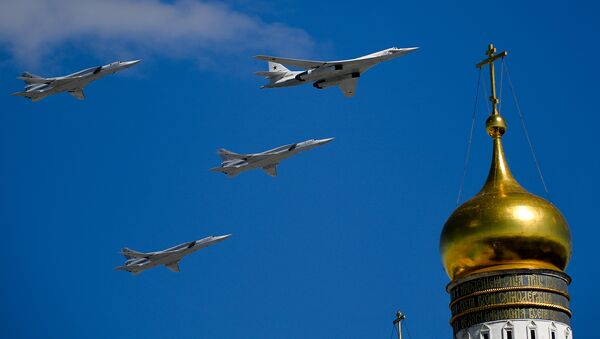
(234, 163)
(138, 262)
(324, 74)
(37, 87)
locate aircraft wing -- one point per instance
(348, 86)
(306, 64)
(158, 255)
(173, 266)
(271, 170)
(259, 157)
(78, 93)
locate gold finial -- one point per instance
(495, 124)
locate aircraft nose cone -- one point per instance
(410, 49)
(222, 237)
(324, 141)
(130, 63)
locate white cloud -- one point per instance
(32, 29)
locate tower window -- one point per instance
(552, 335)
(532, 334)
(485, 336)
(509, 334)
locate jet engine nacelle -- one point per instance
(302, 76)
(323, 83)
(320, 72)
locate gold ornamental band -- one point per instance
(513, 280)
(508, 305)
(510, 289)
(504, 314)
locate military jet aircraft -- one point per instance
(234, 163)
(37, 87)
(324, 74)
(138, 262)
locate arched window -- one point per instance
(552, 330)
(532, 331)
(568, 333)
(508, 331)
(484, 333)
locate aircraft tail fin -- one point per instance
(29, 78)
(130, 254)
(276, 71)
(229, 155)
(277, 67)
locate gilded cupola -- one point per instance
(504, 226)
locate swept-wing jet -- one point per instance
(324, 74)
(138, 262)
(37, 87)
(234, 163)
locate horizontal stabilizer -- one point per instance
(32, 97)
(125, 268)
(225, 170)
(268, 74)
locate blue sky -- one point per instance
(346, 234)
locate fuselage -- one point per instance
(173, 254)
(270, 157)
(75, 81)
(331, 73)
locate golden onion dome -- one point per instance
(504, 226)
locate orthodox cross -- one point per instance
(490, 60)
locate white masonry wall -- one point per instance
(517, 329)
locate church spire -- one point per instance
(505, 251)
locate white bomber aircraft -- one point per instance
(138, 262)
(234, 163)
(323, 74)
(37, 87)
